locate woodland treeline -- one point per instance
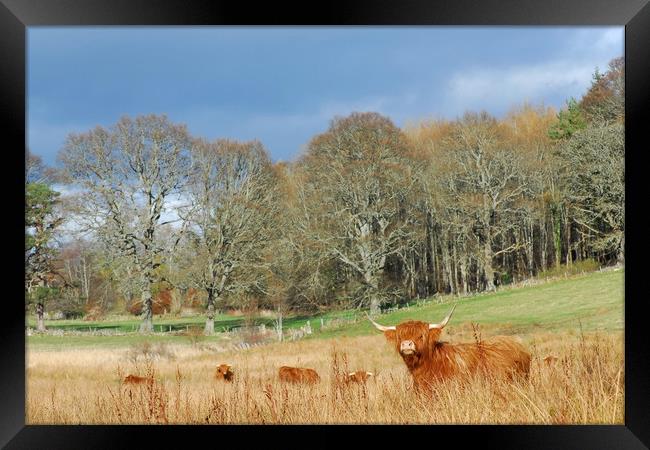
(369, 215)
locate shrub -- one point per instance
(67, 308)
(582, 266)
(94, 312)
(162, 303)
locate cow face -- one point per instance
(359, 376)
(413, 338)
(224, 371)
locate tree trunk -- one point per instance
(147, 311)
(557, 239)
(569, 254)
(530, 250)
(463, 274)
(40, 323)
(543, 244)
(435, 271)
(374, 305)
(487, 266)
(279, 325)
(209, 323)
(621, 251)
(446, 263)
(372, 283)
(454, 256)
(413, 292)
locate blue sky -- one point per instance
(283, 85)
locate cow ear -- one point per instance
(434, 334)
(391, 335)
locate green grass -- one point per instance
(592, 301)
(130, 324)
(49, 342)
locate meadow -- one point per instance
(578, 320)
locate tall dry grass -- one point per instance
(584, 385)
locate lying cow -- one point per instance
(429, 359)
(359, 376)
(135, 379)
(298, 375)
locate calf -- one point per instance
(360, 376)
(224, 372)
(298, 375)
(134, 379)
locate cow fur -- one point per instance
(224, 372)
(298, 375)
(359, 376)
(134, 379)
(434, 360)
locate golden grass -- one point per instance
(585, 385)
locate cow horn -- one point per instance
(351, 374)
(444, 322)
(370, 374)
(381, 327)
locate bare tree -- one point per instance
(596, 192)
(128, 173)
(233, 208)
(485, 181)
(359, 186)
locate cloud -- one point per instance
(489, 87)
(606, 41)
(553, 81)
(611, 40)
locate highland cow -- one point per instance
(224, 372)
(298, 375)
(359, 376)
(429, 359)
(135, 379)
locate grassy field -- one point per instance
(593, 301)
(165, 324)
(73, 379)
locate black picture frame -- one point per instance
(16, 15)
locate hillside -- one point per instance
(593, 301)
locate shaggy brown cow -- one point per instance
(134, 379)
(224, 372)
(359, 376)
(428, 359)
(298, 375)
